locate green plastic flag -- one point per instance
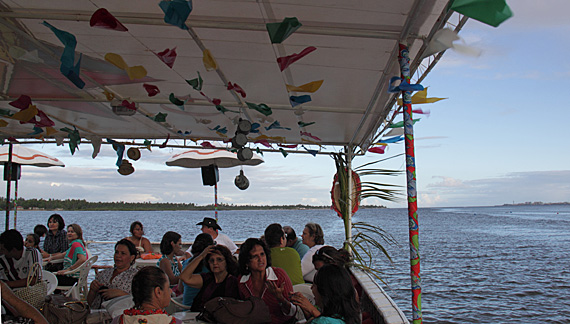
(303, 124)
(278, 32)
(490, 12)
(283, 152)
(74, 138)
(196, 83)
(401, 124)
(175, 100)
(223, 109)
(262, 108)
(160, 117)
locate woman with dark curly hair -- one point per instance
(258, 278)
(219, 282)
(151, 294)
(337, 302)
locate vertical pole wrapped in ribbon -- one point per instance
(404, 60)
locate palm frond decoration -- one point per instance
(363, 240)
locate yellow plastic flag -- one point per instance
(26, 114)
(3, 123)
(110, 96)
(420, 97)
(209, 61)
(136, 72)
(307, 87)
(116, 60)
(50, 131)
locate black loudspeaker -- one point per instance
(210, 175)
(16, 171)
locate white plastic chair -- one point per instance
(80, 288)
(305, 289)
(177, 303)
(51, 279)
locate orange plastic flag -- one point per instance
(25, 115)
(3, 123)
(307, 87)
(209, 61)
(134, 72)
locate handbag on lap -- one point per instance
(64, 310)
(33, 295)
(226, 310)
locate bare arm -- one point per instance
(81, 258)
(24, 309)
(146, 245)
(188, 276)
(165, 266)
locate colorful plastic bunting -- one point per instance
(262, 108)
(129, 105)
(104, 19)
(310, 135)
(196, 83)
(134, 72)
(119, 148)
(264, 142)
(163, 145)
(377, 149)
(160, 117)
(390, 140)
(19, 53)
(276, 125)
(299, 100)
(404, 86)
(209, 62)
(312, 152)
(176, 12)
(68, 67)
(74, 138)
(152, 90)
(490, 12)
(219, 129)
(285, 61)
(307, 87)
(289, 146)
(255, 128)
(207, 144)
(420, 97)
(283, 152)
(401, 124)
(303, 124)
(3, 123)
(26, 115)
(444, 39)
(236, 88)
(168, 56)
(175, 100)
(22, 102)
(278, 32)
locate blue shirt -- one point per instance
(189, 292)
(300, 248)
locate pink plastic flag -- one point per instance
(236, 88)
(44, 120)
(163, 145)
(264, 142)
(104, 19)
(129, 105)
(207, 144)
(310, 135)
(378, 149)
(22, 102)
(285, 61)
(289, 146)
(152, 90)
(168, 56)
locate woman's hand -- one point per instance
(111, 293)
(206, 251)
(95, 286)
(276, 290)
(61, 272)
(309, 309)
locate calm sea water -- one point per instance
(479, 264)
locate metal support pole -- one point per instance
(404, 59)
(15, 202)
(216, 200)
(9, 166)
(350, 190)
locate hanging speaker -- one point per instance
(16, 171)
(210, 175)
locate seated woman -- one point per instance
(258, 278)
(73, 258)
(55, 241)
(325, 255)
(337, 302)
(314, 238)
(151, 294)
(170, 247)
(201, 242)
(32, 241)
(116, 281)
(218, 282)
(142, 243)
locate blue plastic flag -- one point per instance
(68, 67)
(297, 100)
(176, 12)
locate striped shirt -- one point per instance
(16, 269)
(56, 243)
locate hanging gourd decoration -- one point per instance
(354, 197)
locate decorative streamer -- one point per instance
(285, 61)
(299, 100)
(163, 145)
(168, 56)
(404, 60)
(152, 90)
(68, 67)
(176, 12)
(104, 19)
(278, 32)
(209, 61)
(236, 88)
(307, 87)
(490, 12)
(119, 148)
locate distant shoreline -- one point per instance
(537, 203)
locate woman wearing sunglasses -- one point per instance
(220, 281)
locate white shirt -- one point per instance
(12, 269)
(307, 263)
(224, 240)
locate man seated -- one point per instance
(283, 257)
(210, 226)
(294, 242)
(16, 261)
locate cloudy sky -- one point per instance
(501, 137)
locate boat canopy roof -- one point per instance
(356, 55)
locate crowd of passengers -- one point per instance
(266, 267)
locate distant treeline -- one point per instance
(82, 204)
